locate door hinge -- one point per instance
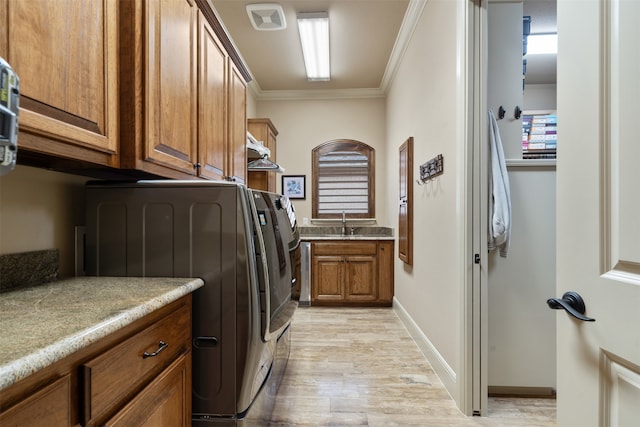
(476, 258)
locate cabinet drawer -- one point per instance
(360, 248)
(115, 376)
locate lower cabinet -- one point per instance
(140, 375)
(164, 402)
(46, 407)
(352, 273)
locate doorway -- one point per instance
(517, 333)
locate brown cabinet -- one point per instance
(163, 402)
(183, 103)
(136, 85)
(352, 273)
(66, 55)
(150, 87)
(237, 142)
(114, 374)
(221, 111)
(263, 130)
(139, 375)
(46, 407)
(405, 209)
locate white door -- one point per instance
(598, 206)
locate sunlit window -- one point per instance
(343, 180)
(542, 44)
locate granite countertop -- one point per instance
(311, 237)
(352, 233)
(43, 324)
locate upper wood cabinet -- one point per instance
(265, 131)
(405, 209)
(171, 87)
(212, 102)
(184, 102)
(150, 87)
(237, 141)
(222, 104)
(66, 55)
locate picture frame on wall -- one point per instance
(293, 186)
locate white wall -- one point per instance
(422, 103)
(305, 124)
(539, 97)
(521, 331)
(39, 210)
(251, 101)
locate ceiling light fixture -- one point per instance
(538, 44)
(314, 37)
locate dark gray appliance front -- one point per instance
(193, 229)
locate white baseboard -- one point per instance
(439, 364)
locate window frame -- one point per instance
(344, 145)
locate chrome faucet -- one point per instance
(344, 223)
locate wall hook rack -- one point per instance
(517, 113)
(501, 112)
(431, 169)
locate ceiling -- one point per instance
(367, 38)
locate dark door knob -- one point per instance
(573, 303)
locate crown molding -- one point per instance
(407, 29)
(312, 94)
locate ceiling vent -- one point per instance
(266, 16)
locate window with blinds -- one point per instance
(343, 180)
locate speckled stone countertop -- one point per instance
(43, 324)
(352, 233)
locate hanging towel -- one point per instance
(499, 193)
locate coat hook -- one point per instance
(501, 112)
(517, 113)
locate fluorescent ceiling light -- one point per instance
(314, 37)
(542, 44)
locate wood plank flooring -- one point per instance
(360, 367)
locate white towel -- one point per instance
(499, 192)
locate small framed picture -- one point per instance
(293, 186)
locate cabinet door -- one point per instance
(361, 278)
(328, 278)
(171, 86)
(271, 144)
(237, 140)
(164, 402)
(65, 54)
(264, 130)
(49, 406)
(385, 272)
(212, 99)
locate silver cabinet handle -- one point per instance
(161, 346)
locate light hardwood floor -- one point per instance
(359, 366)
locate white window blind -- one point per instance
(343, 183)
